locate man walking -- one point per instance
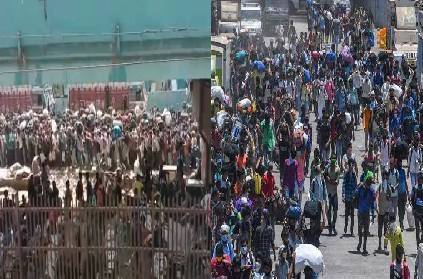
(332, 181)
(382, 209)
(393, 185)
(414, 157)
(366, 199)
(349, 187)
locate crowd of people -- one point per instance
(108, 160)
(263, 124)
(88, 137)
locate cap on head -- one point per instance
(224, 228)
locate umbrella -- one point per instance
(397, 90)
(259, 66)
(308, 255)
(217, 92)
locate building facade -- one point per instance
(83, 41)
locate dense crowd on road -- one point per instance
(263, 124)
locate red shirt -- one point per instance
(222, 268)
(268, 185)
(405, 271)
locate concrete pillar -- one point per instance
(200, 92)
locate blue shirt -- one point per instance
(366, 199)
(340, 99)
(349, 186)
(307, 77)
(378, 79)
(394, 124)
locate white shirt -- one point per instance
(384, 153)
(357, 80)
(367, 87)
(345, 159)
(414, 158)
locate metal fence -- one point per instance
(104, 242)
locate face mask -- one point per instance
(258, 265)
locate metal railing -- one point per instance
(104, 242)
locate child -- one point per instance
(399, 267)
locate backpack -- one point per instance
(294, 212)
(311, 210)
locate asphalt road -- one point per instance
(341, 259)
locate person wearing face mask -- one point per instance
(414, 163)
(385, 151)
(264, 239)
(393, 236)
(290, 177)
(349, 186)
(395, 124)
(247, 261)
(282, 266)
(382, 202)
(417, 204)
(318, 191)
(268, 138)
(366, 197)
(403, 192)
(225, 242)
(393, 185)
(331, 174)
